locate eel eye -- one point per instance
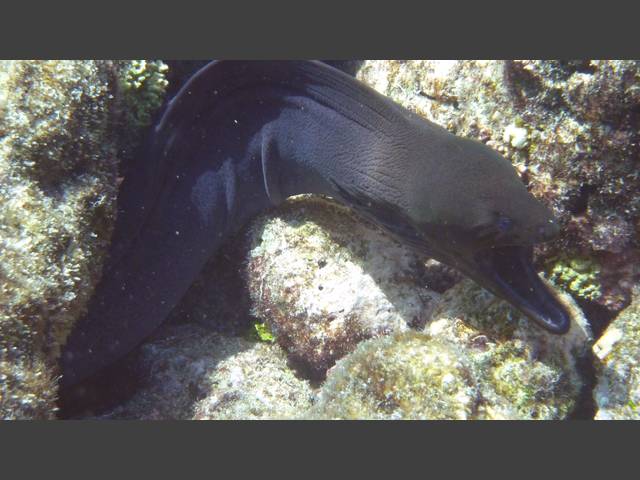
(504, 224)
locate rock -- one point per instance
(617, 392)
(60, 143)
(58, 167)
(478, 359)
(193, 373)
(524, 372)
(569, 127)
(323, 279)
(403, 376)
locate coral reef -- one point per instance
(194, 373)
(578, 276)
(58, 166)
(323, 280)
(397, 338)
(570, 127)
(617, 393)
(60, 124)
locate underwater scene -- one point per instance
(320, 240)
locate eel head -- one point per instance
(478, 216)
(482, 222)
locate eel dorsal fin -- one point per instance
(218, 82)
(323, 83)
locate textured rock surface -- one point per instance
(617, 393)
(524, 372)
(404, 376)
(322, 280)
(59, 153)
(194, 373)
(478, 360)
(58, 169)
(570, 127)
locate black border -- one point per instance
(344, 30)
(274, 449)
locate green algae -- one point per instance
(422, 376)
(262, 332)
(580, 276)
(523, 372)
(143, 84)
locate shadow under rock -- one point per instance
(599, 318)
(585, 408)
(164, 378)
(219, 298)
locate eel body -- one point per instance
(240, 137)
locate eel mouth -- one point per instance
(508, 272)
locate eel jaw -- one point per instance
(508, 273)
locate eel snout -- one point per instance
(509, 273)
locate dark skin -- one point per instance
(240, 137)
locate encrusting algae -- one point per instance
(61, 134)
(404, 376)
(463, 366)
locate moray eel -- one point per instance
(240, 137)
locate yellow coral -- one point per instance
(579, 276)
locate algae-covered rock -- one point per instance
(478, 359)
(193, 373)
(61, 125)
(403, 376)
(58, 167)
(569, 127)
(617, 393)
(323, 279)
(524, 372)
